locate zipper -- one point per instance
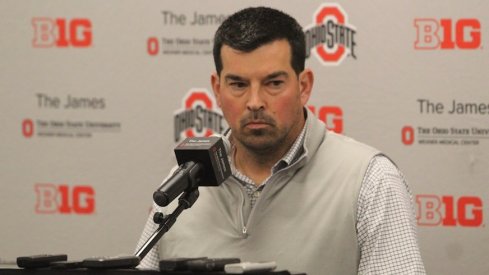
(269, 185)
(244, 230)
(281, 175)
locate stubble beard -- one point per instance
(261, 141)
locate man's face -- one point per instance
(261, 96)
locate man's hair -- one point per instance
(250, 28)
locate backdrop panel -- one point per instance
(95, 96)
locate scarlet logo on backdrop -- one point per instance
(464, 211)
(153, 46)
(64, 199)
(199, 116)
(447, 34)
(407, 135)
(27, 128)
(61, 32)
(332, 116)
(331, 37)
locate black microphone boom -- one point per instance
(202, 162)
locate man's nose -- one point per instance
(256, 99)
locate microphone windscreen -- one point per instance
(227, 143)
(211, 153)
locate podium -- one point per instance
(84, 271)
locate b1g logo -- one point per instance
(331, 38)
(447, 34)
(464, 211)
(61, 32)
(332, 116)
(64, 199)
(199, 117)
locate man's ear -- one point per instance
(306, 82)
(216, 87)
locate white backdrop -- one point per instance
(95, 95)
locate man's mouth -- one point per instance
(256, 124)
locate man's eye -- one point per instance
(238, 85)
(275, 83)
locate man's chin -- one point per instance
(260, 143)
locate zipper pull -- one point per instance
(244, 231)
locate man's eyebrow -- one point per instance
(232, 77)
(276, 74)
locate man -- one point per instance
(309, 199)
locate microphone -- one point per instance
(202, 161)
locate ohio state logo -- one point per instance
(199, 116)
(407, 135)
(331, 38)
(27, 128)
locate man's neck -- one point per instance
(256, 166)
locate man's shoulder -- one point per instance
(347, 145)
(319, 138)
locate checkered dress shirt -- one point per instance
(386, 226)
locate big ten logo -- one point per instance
(64, 199)
(464, 211)
(330, 37)
(332, 116)
(407, 135)
(447, 34)
(27, 128)
(200, 116)
(61, 32)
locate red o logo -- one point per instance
(197, 97)
(320, 18)
(407, 135)
(27, 128)
(153, 46)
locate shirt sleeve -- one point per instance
(386, 224)
(152, 259)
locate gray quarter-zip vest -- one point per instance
(305, 218)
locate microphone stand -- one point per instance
(186, 200)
